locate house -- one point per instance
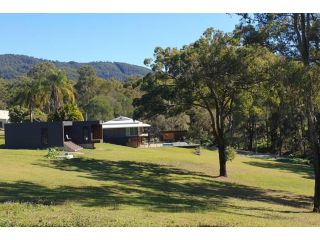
(4, 118)
(125, 131)
(70, 135)
(173, 135)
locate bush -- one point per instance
(18, 114)
(52, 153)
(39, 116)
(230, 153)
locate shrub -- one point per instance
(52, 153)
(230, 153)
(18, 114)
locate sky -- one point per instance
(126, 38)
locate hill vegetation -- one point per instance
(13, 66)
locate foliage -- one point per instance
(295, 36)
(52, 153)
(209, 74)
(230, 153)
(86, 86)
(5, 94)
(100, 108)
(18, 114)
(67, 112)
(57, 89)
(39, 116)
(104, 99)
(30, 94)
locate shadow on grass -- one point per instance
(154, 187)
(286, 165)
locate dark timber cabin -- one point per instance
(125, 131)
(70, 135)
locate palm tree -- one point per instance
(30, 93)
(59, 89)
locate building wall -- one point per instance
(28, 135)
(123, 136)
(78, 130)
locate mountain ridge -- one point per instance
(15, 65)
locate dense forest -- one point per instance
(13, 66)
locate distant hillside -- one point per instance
(12, 66)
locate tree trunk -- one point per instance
(222, 161)
(316, 200)
(304, 48)
(31, 114)
(314, 139)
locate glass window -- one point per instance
(131, 132)
(127, 132)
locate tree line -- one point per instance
(46, 94)
(257, 87)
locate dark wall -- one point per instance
(78, 131)
(119, 141)
(114, 133)
(28, 135)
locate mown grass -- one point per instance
(120, 186)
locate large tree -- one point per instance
(86, 87)
(56, 86)
(59, 89)
(296, 36)
(208, 73)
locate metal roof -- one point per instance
(124, 122)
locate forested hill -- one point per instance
(12, 66)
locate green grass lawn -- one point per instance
(120, 186)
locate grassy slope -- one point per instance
(119, 186)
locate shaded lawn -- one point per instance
(287, 165)
(152, 186)
(119, 186)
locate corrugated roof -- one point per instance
(124, 122)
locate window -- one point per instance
(44, 136)
(131, 132)
(127, 132)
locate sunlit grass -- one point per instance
(120, 186)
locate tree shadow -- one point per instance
(285, 164)
(154, 187)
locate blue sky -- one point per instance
(103, 37)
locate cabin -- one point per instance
(72, 135)
(173, 136)
(4, 118)
(126, 131)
